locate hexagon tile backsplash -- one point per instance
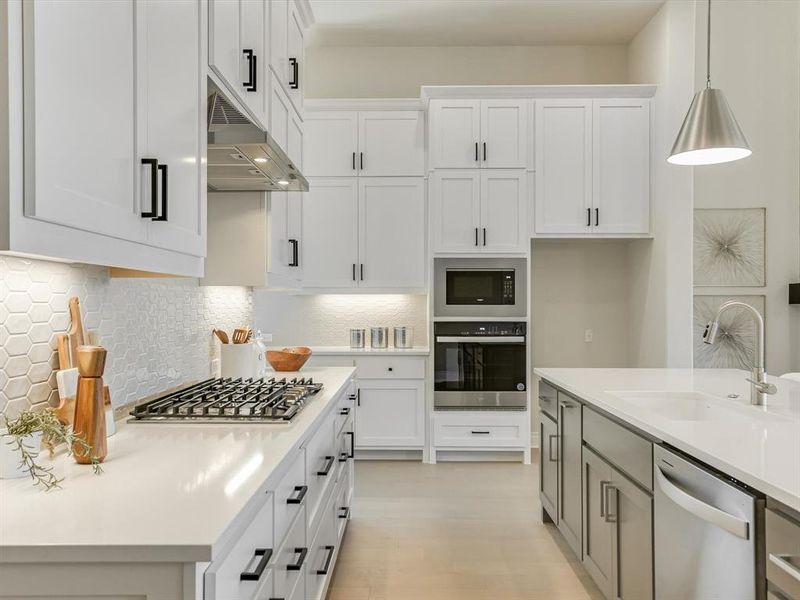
(157, 331)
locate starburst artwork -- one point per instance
(735, 342)
(729, 247)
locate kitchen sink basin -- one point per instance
(692, 406)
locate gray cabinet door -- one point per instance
(570, 467)
(598, 531)
(548, 466)
(631, 511)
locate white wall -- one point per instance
(398, 72)
(660, 318)
(326, 319)
(754, 60)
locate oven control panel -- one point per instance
(473, 328)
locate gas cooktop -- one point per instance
(230, 401)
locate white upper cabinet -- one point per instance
(330, 233)
(592, 167)
(331, 143)
(79, 172)
(238, 51)
(285, 125)
(279, 39)
(455, 133)
(171, 97)
(563, 166)
(391, 232)
(296, 57)
(367, 143)
(479, 133)
(621, 171)
(391, 143)
(479, 211)
(504, 133)
(503, 215)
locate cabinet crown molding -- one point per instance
(538, 91)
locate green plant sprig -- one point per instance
(53, 433)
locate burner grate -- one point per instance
(252, 400)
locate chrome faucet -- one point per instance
(760, 388)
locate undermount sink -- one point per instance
(692, 406)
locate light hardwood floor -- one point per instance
(453, 531)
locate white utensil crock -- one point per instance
(238, 360)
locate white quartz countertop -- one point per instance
(169, 492)
(762, 453)
(347, 350)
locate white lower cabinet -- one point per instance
(390, 414)
(481, 431)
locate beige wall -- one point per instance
(754, 60)
(398, 72)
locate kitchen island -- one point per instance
(185, 510)
(638, 465)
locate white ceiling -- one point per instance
(478, 22)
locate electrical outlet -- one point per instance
(588, 335)
(267, 337)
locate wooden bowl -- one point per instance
(288, 359)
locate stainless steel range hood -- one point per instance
(242, 157)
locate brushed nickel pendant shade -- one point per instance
(709, 134)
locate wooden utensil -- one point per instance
(223, 337)
(76, 334)
(241, 335)
(62, 341)
(90, 417)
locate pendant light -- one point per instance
(710, 133)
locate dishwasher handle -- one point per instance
(730, 523)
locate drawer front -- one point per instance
(480, 430)
(344, 412)
(330, 360)
(619, 446)
(344, 448)
(290, 494)
(783, 553)
(249, 555)
(266, 590)
(341, 504)
(291, 555)
(321, 554)
(548, 399)
(390, 367)
(321, 464)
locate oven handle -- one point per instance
(480, 339)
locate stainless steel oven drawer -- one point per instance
(783, 553)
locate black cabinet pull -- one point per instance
(329, 460)
(351, 397)
(343, 457)
(153, 164)
(588, 217)
(345, 411)
(480, 432)
(164, 196)
(344, 512)
(251, 85)
(295, 255)
(596, 217)
(302, 553)
(484, 236)
(484, 151)
(255, 575)
(476, 152)
(354, 161)
(301, 491)
(390, 369)
(352, 444)
(476, 236)
(553, 455)
(327, 565)
(295, 82)
(362, 271)
(354, 271)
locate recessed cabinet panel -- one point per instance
(280, 110)
(563, 166)
(621, 169)
(280, 252)
(391, 232)
(503, 215)
(570, 465)
(597, 528)
(294, 145)
(330, 233)
(632, 517)
(455, 125)
(391, 143)
(80, 162)
(295, 63)
(278, 39)
(390, 414)
(171, 94)
(224, 50)
(456, 210)
(331, 143)
(504, 133)
(254, 61)
(548, 474)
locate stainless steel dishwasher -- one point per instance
(708, 534)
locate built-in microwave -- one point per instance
(480, 287)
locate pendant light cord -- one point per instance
(708, 48)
